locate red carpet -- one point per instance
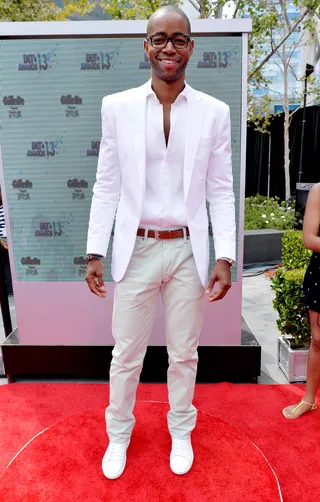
(63, 463)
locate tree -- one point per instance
(42, 10)
(282, 41)
(283, 59)
(134, 9)
(275, 38)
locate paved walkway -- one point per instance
(260, 316)
(257, 311)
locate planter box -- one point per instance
(292, 362)
(262, 246)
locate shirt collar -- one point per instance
(151, 92)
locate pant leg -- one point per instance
(182, 296)
(134, 307)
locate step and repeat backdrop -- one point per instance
(51, 92)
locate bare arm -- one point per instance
(311, 223)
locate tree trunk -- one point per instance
(202, 9)
(286, 124)
(286, 151)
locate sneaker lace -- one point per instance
(180, 448)
(115, 453)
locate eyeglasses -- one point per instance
(160, 41)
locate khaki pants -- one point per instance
(166, 267)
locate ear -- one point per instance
(146, 48)
(191, 47)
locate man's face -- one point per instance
(168, 63)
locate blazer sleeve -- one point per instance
(106, 189)
(219, 189)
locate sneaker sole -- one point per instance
(184, 472)
(117, 476)
(121, 472)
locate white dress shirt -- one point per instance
(164, 205)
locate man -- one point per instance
(165, 149)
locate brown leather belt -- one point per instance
(163, 234)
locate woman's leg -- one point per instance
(313, 371)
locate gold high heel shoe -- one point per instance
(290, 414)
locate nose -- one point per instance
(169, 47)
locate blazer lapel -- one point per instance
(137, 115)
(195, 115)
(137, 112)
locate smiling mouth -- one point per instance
(168, 63)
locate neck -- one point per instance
(167, 92)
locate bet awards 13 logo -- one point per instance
(24, 188)
(94, 150)
(31, 264)
(15, 103)
(50, 229)
(216, 59)
(45, 148)
(99, 60)
(71, 103)
(37, 61)
(145, 65)
(78, 187)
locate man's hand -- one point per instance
(4, 243)
(94, 278)
(221, 273)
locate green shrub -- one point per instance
(294, 254)
(263, 212)
(289, 297)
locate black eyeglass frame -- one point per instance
(169, 39)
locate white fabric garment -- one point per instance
(120, 187)
(172, 272)
(164, 205)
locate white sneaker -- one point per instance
(114, 460)
(181, 457)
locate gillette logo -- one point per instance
(71, 102)
(23, 187)
(31, 264)
(15, 103)
(81, 262)
(78, 187)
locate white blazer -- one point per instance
(121, 178)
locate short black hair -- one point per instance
(166, 9)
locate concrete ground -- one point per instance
(258, 313)
(261, 318)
